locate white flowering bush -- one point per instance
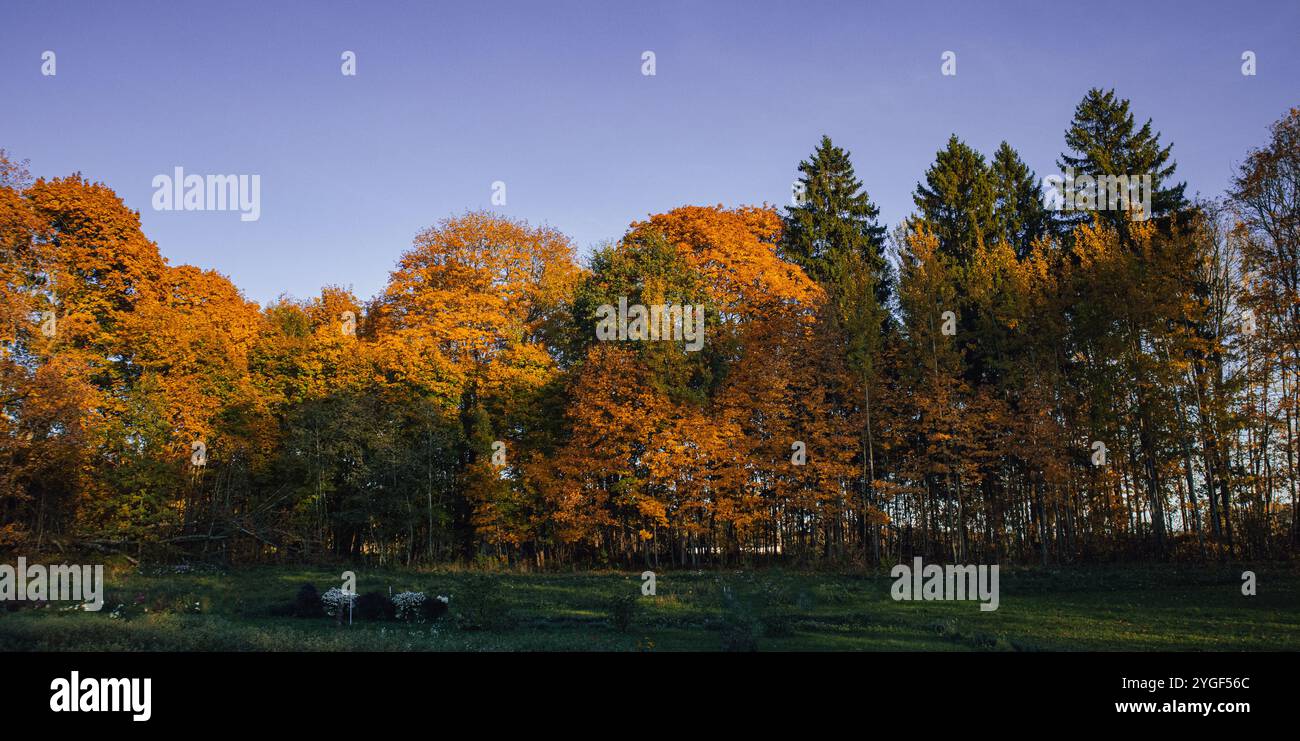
(337, 599)
(410, 605)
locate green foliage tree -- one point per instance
(1103, 139)
(834, 215)
(1019, 212)
(957, 201)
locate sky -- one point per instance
(550, 99)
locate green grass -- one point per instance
(1165, 608)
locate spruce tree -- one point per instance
(834, 215)
(834, 235)
(1103, 140)
(957, 200)
(1019, 213)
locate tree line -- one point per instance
(992, 380)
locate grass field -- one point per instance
(1165, 608)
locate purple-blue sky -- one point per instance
(549, 98)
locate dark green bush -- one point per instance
(622, 610)
(433, 608)
(482, 605)
(375, 606)
(307, 603)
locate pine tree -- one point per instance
(1102, 141)
(957, 200)
(1019, 212)
(834, 215)
(833, 234)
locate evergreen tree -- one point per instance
(1102, 140)
(957, 200)
(1019, 212)
(834, 215)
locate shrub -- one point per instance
(435, 608)
(375, 606)
(308, 603)
(409, 606)
(482, 606)
(336, 601)
(621, 611)
(405, 606)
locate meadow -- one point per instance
(1147, 608)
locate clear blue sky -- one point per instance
(549, 98)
